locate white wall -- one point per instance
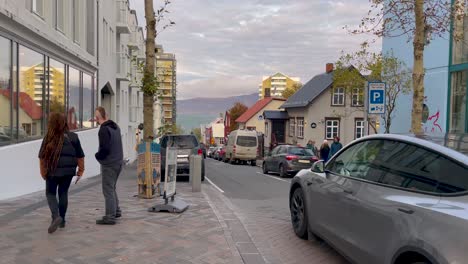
(20, 165)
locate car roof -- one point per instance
(454, 146)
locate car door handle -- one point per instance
(348, 191)
(406, 211)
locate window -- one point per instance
(300, 127)
(6, 116)
(338, 96)
(59, 15)
(246, 141)
(251, 128)
(76, 21)
(332, 128)
(88, 111)
(31, 109)
(358, 128)
(460, 37)
(90, 21)
(458, 102)
(36, 6)
(267, 92)
(357, 97)
(221, 141)
(56, 86)
(74, 109)
(292, 127)
(275, 150)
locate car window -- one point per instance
(179, 142)
(354, 160)
(283, 150)
(246, 141)
(300, 151)
(275, 150)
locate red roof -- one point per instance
(257, 107)
(29, 106)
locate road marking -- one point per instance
(214, 185)
(273, 177)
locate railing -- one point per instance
(122, 11)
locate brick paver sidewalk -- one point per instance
(196, 236)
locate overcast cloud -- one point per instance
(224, 47)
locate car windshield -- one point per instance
(180, 142)
(246, 141)
(300, 151)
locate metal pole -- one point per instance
(366, 106)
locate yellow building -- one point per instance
(166, 77)
(274, 85)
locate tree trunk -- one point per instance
(148, 79)
(418, 68)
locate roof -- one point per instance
(29, 106)
(272, 114)
(259, 105)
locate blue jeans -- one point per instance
(60, 184)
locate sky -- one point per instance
(225, 47)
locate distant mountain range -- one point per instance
(213, 106)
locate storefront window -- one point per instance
(74, 110)
(87, 101)
(31, 94)
(460, 36)
(458, 102)
(56, 86)
(5, 91)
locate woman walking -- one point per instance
(324, 151)
(59, 156)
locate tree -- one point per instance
(385, 68)
(235, 112)
(419, 20)
(197, 132)
(288, 92)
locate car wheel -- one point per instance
(298, 213)
(253, 163)
(163, 175)
(264, 168)
(231, 160)
(282, 171)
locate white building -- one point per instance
(92, 42)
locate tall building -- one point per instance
(166, 66)
(274, 85)
(65, 56)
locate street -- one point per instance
(261, 203)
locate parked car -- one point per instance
(242, 146)
(216, 153)
(388, 199)
(288, 159)
(222, 153)
(186, 145)
(203, 148)
(210, 152)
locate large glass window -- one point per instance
(31, 94)
(74, 110)
(460, 36)
(56, 86)
(458, 102)
(5, 91)
(88, 111)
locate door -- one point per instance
(278, 128)
(269, 159)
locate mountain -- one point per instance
(213, 105)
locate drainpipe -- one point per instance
(97, 53)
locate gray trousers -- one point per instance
(110, 175)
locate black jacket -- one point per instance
(68, 161)
(110, 144)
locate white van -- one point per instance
(242, 146)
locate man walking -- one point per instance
(110, 156)
(335, 146)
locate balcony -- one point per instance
(133, 40)
(123, 11)
(123, 66)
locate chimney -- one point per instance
(329, 67)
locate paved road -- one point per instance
(261, 203)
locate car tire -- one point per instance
(163, 175)
(253, 163)
(282, 171)
(264, 168)
(231, 161)
(298, 211)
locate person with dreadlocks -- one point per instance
(59, 157)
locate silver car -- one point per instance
(388, 199)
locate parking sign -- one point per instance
(376, 98)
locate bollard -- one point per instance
(195, 172)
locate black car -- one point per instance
(186, 145)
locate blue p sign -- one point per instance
(376, 97)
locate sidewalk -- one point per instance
(196, 236)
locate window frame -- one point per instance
(299, 126)
(34, 9)
(356, 127)
(359, 95)
(334, 92)
(56, 16)
(338, 127)
(457, 194)
(292, 127)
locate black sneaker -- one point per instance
(105, 222)
(54, 225)
(118, 215)
(62, 225)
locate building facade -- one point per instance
(69, 57)
(274, 85)
(166, 76)
(445, 81)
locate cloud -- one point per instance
(224, 47)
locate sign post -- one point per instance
(171, 204)
(375, 100)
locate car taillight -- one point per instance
(234, 149)
(200, 152)
(291, 157)
(314, 158)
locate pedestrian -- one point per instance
(110, 156)
(59, 157)
(324, 151)
(311, 145)
(336, 146)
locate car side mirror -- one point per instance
(318, 166)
